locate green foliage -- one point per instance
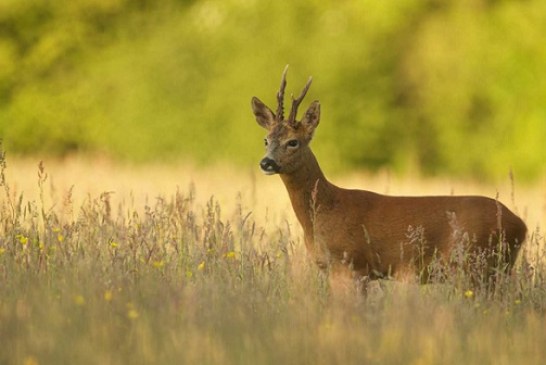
(444, 86)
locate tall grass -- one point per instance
(178, 279)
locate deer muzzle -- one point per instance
(269, 166)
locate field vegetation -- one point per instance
(105, 263)
(148, 236)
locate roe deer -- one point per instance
(368, 235)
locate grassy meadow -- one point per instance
(118, 264)
(134, 242)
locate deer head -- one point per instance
(287, 141)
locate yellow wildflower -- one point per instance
(131, 311)
(79, 300)
(201, 266)
(132, 314)
(158, 264)
(30, 360)
(108, 295)
(230, 255)
(22, 239)
(469, 294)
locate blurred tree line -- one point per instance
(442, 86)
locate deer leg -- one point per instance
(346, 284)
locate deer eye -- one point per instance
(266, 142)
(293, 143)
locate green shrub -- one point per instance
(445, 87)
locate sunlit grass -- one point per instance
(109, 264)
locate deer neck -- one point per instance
(309, 191)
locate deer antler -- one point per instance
(280, 96)
(296, 102)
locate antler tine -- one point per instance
(280, 96)
(296, 102)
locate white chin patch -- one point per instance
(271, 172)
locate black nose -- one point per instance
(269, 166)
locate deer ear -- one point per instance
(264, 115)
(311, 118)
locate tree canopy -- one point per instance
(442, 86)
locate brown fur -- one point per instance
(377, 235)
